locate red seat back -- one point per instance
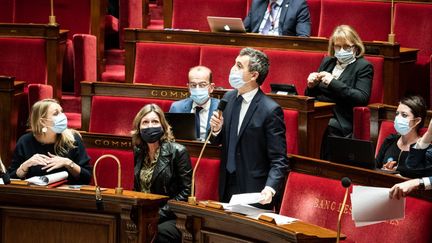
(190, 14)
(164, 64)
(219, 59)
(106, 170)
(114, 115)
(291, 133)
(361, 15)
(291, 67)
(315, 13)
(6, 11)
(317, 200)
(28, 64)
(207, 179)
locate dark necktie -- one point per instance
(233, 135)
(271, 18)
(197, 120)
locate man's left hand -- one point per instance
(268, 195)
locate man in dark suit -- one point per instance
(200, 87)
(252, 133)
(279, 17)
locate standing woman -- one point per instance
(162, 166)
(50, 147)
(345, 78)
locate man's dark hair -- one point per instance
(258, 61)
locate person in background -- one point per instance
(402, 189)
(50, 147)
(345, 78)
(162, 166)
(200, 87)
(279, 17)
(395, 149)
(251, 131)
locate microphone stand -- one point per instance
(392, 36)
(118, 189)
(52, 18)
(346, 182)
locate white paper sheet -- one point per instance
(372, 205)
(1, 181)
(246, 198)
(279, 219)
(48, 179)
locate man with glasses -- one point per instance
(200, 87)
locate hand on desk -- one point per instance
(391, 165)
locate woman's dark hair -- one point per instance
(418, 107)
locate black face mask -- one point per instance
(151, 134)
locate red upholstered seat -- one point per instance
(6, 11)
(315, 13)
(317, 200)
(164, 64)
(361, 120)
(38, 92)
(207, 179)
(220, 60)
(291, 133)
(27, 64)
(106, 171)
(291, 67)
(190, 14)
(131, 16)
(114, 115)
(85, 59)
(361, 15)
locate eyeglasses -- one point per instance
(345, 47)
(201, 85)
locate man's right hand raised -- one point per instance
(216, 122)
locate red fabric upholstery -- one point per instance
(291, 133)
(166, 64)
(38, 92)
(111, 24)
(74, 120)
(114, 115)
(361, 123)
(315, 12)
(106, 170)
(37, 11)
(27, 64)
(85, 59)
(68, 83)
(220, 60)
(114, 73)
(190, 14)
(291, 67)
(6, 11)
(359, 14)
(317, 200)
(207, 179)
(131, 16)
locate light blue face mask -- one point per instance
(344, 56)
(401, 125)
(236, 79)
(60, 123)
(199, 95)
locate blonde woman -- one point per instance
(162, 166)
(345, 78)
(50, 147)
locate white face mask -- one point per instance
(401, 124)
(236, 79)
(344, 56)
(199, 95)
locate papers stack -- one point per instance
(48, 179)
(371, 205)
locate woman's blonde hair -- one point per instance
(136, 135)
(346, 32)
(64, 141)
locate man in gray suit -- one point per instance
(200, 87)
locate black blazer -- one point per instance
(171, 176)
(294, 18)
(261, 158)
(353, 88)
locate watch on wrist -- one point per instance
(421, 184)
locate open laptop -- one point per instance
(226, 24)
(182, 125)
(283, 89)
(353, 152)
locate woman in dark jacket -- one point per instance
(345, 78)
(161, 166)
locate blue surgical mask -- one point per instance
(236, 79)
(344, 56)
(199, 95)
(401, 124)
(60, 123)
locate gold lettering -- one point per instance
(163, 93)
(154, 93)
(115, 143)
(97, 142)
(333, 206)
(124, 144)
(316, 202)
(106, 142)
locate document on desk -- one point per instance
(48, 179)
(246, 198)
(371, 205)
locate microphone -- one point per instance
(192, 198)
(4, 175)
(346, 182)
